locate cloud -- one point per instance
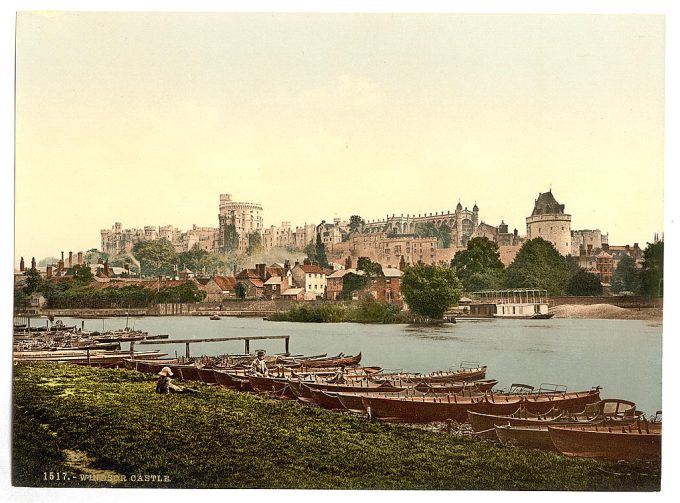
(348, 93)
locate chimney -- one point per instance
(106, 268)
(33, 263)
(21, 264)
(234, 270)
(628, 249)
(261, 271)
(49, 272)
(70, 259)
(297, 262)
(60, 265)
(80, 258)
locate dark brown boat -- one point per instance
(206, 375)
(333, 361)
(639, 441)
(326, 400)
(274, 386)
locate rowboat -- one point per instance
(451, 407)
(276, 386)
(333, 361)
(532, 437)
(432, 409)
(206, 375)
(233, 381)
(326, 400)
(460, 375)
(608, 410)
(639, 441)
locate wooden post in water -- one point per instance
(247, 346)
(88, 357)
(188, 352)
(287, 342)
(132, 349)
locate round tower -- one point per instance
(550, 222)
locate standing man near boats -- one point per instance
(259, 367)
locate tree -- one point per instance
(356, 223)
(230, 238)
(82, 274)
(429, 230)
(426, 230)
(479, 267)
(254, 243)
(157, 257)
(371, 269)
(310, 251)
(651, 275)
(584, 283)
(93, 255)
(20, 299)
(241, 290)
(444, 236)
(34, 282)
(352, 283)
(47, 261)
(193, 259)
(429, 290)
(626, 277)
(538, 265)
(320, 252)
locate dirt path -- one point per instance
(606, 312)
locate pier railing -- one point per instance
(188, 342)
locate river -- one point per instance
(621, 356)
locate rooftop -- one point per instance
(547, 204)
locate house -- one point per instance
(392, 286)
(310, 277)
(186, 273)
(296, 294)
(220, 287)
(274, 287)
(335, 283)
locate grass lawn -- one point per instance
(224, 439)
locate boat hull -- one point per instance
(614, 443)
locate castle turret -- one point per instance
(549, 221)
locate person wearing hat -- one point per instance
(259, 367)
(164, 384)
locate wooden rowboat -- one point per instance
(333, 361)
(639, 441)
(451, 407)
(608, 410)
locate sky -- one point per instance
(145, 118)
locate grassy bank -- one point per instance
(220, 438)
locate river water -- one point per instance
(621, 356)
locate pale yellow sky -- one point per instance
(147, 118)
